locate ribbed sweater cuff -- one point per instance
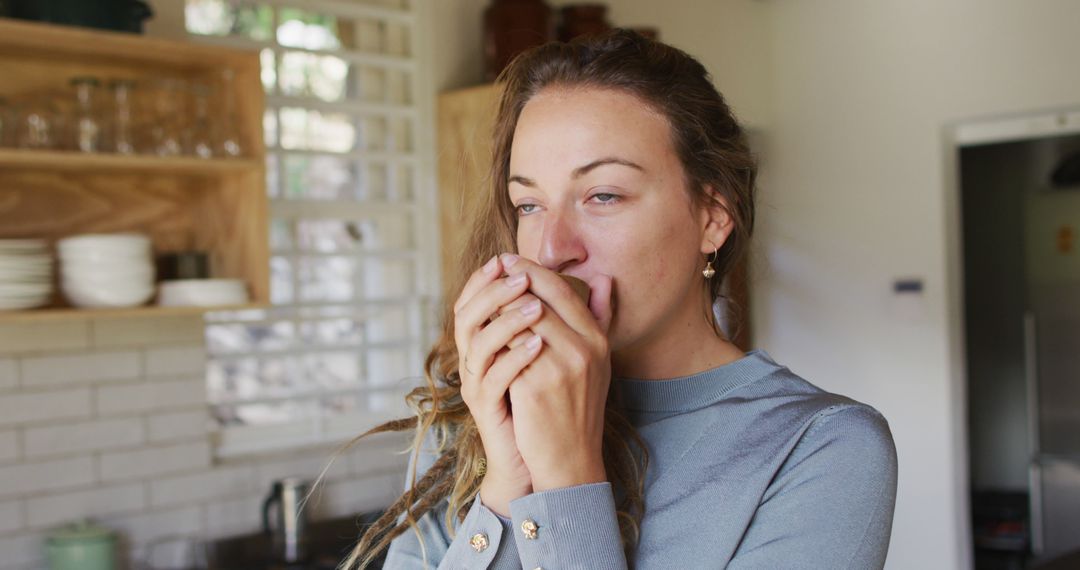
(576, 527)
(479, 520)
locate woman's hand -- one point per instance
(485, 378)
(560, 397)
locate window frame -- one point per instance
(322, 429)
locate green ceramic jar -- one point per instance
(81, 546)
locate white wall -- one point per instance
(854, 195)
(729, 37)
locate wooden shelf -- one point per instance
(68, 313)
(68, 161)
(182, 203)
(39, 39)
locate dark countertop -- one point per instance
(329, 541)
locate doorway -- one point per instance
(1016, 252)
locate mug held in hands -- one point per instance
(580, 287)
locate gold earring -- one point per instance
(708, 272)
(481, 467)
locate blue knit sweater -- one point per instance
(750, 466)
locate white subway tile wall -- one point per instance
(22, 551)
(11, 517)
(9, 373)
(176, 361)
(88, 436)
(150, 396)
(9, 446)
(109, 420)
(153, 461)
(44, 337)
(171, 426)
(79, 368)
(31, 407)
(57, 508)
(41, 476)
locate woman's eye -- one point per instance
(605, 198)
(524, 209)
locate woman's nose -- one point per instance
(560, 245)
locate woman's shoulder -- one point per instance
(815, 416)
(838, 430)
(784, 387)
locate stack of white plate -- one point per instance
(26, 273)
(202, 292)
(106, 270)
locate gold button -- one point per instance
(529, 528)
(479, 542)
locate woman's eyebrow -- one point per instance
(581, 170)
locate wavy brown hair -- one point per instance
(714, 153)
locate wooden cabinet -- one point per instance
(213, 204)
(466, 118)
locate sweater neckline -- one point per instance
(695, 391)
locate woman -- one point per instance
(626, 431)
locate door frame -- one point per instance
(956, 135)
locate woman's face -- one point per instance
(599, 190)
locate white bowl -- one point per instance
(99, 257)
(122, 270)
(108, 282)
(107, 296)
(104, 244)
(202, 292)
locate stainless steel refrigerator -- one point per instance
(1052, 339)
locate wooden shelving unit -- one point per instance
(69, 161)
(218, 205)
(71, 313)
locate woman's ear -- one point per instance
(716, 222)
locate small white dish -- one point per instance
(202, 292)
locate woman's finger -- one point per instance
(485, 303)
(519, 338)
(474, 314)
(487, 343)
(509, 365)
(481, 277)
(563, 340)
